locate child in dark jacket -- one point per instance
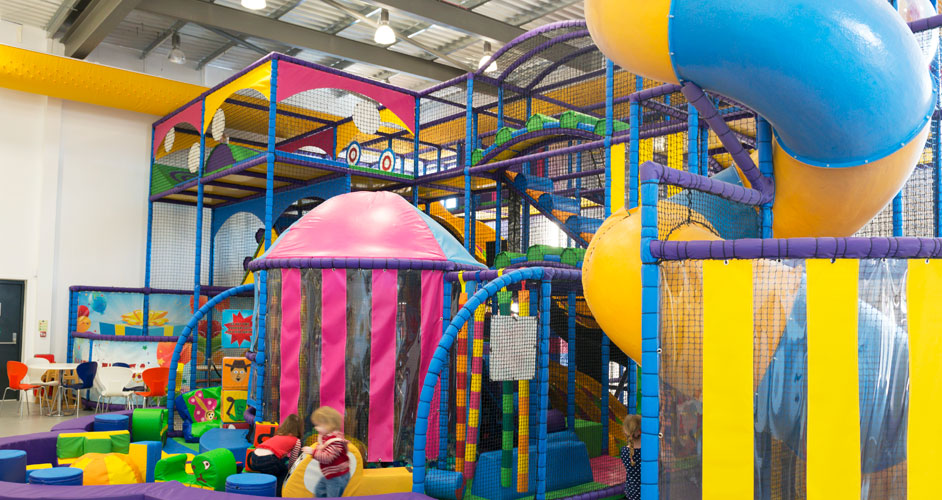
(276, 454)
(631, 456)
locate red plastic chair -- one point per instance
(15, 373)
(156, 380)
(50, 357)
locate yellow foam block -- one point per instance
(382, 481)
(39, 466)
(235, 373)
(231, 399)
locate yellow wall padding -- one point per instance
(728, 428)
(833, 466)
(925, 373)
(81, 81)
(617, 200)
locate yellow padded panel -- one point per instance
(833, 466)
(728, 428)
(925, 376)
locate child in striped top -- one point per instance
(331, 452)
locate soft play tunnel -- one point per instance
(844, 85)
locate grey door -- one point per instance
(11, 326)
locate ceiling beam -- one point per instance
(98, 19)
(58, 19)
(161, 38)
(455, 17)
(262, 27)
(276, 14)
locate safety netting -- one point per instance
(781, 378)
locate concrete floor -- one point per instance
(12, 424)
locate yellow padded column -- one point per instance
(728, 428)
(833, 467)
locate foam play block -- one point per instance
(233, 404)
(75, 444)
(149, 424)
(210, 469)
(590, 433)
(235, 373)
(263, 431)
(145, 455)
(561, 455)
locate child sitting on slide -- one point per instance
(276, 454)
(331, 452)
(631, 456)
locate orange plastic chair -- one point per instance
(156, 380)
(15, 373)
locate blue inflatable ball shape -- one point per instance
(99, 303)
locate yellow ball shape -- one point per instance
(611, 272)
(108, 468)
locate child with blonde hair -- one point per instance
(331, 453)
(631, 456)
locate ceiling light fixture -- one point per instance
(254, 4)
(384, 33)
(176, 55)
(492, 67)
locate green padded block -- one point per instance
(149, 424)
(617, 126)
(120, 443)
(70, 446)
(503, 135)
(196, 411)
(172, 468)
(477, 156)
(590, 433)
(98, 445)
(538, 121)
(213, 467)
(572, 119)
(503, 259)
(572, 256)
(200, 428)
(539, 252)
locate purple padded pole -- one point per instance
(664, 175)
(660, 90)
(926, 23)
(800, 248)
(357, 263)
(708, 113)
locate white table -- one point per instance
(59, 368)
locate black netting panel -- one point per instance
(234, 243)
(173, 246)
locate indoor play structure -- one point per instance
(729, 227)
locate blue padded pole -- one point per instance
(498, 215)
(197, 268)
(634, 147)
(500, 107)
(209, 320)
(145, 316)
(569, 169)
(693, 139)
(72, 326)
(443, 399)
(546, 292)
(609, 130)
(650, 424)
(571, 365)
(185, 336)
(764, 140)
(937, 176)
(440, 360)
(632, 395)
(898, 214)
(705, 151)
(469, 148)
(415, 150)
(606, 383)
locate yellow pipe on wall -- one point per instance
(75, 80)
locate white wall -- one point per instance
(73, 189)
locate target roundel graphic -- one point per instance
(387, 161)
(353, 153)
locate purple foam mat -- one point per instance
(149, 491)
(40, 448)
(80, 424)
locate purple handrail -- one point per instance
(800, 248)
